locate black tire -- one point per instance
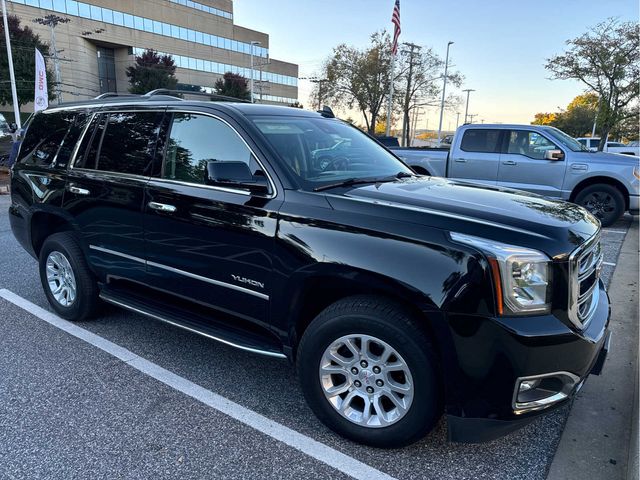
(389, 322)
(86, 298)
(605, 201)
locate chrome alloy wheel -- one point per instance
(61, 280)
(366, 381)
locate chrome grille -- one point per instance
(585, 264)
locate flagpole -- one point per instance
(12, 76)
(390, 99)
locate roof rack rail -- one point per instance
(115, 94)
(211, 96)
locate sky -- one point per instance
(501, 46)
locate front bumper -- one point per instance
(634, 204)
(493, 353)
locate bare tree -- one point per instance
(359, 78)
(419, 83)
(606, 60)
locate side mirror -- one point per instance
(235, 175)
(553, 155)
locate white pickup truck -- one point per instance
(610, 147)
(538, 159)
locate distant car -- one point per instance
(6, 141)
(611, 147)
(388, 141)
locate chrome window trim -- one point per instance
(196, 185)
(108, 299)
(181, 272)
(224, 189)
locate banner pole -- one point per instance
(12, 76)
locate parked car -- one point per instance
(294, 235)
(592, 144)
(5, 141)
(537, 159)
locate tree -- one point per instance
(152, 71)
(577, 120)
(23, 44)
(421, 78)
(233, 85)
(360, 77)
(296, 104)
(606, 59)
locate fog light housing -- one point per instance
(538, 392)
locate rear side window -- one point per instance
(45, 137)
(122, 142)
(483, 140)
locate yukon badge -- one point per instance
(248, 281)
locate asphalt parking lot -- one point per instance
(70, 409)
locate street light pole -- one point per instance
(457, 119)
(253, 44)
(444, 89)
(12, 75)
(466, 110)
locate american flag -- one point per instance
(395, 19)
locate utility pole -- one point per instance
(444, 88)
(320, 82)
(406, 121)
(254, 43)
(52, 21)
(457, 119)
(471, 115)
(466, 110)
(12, 75)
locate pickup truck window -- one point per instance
(529, 144)
(321, 151)
(194, 140)
(483, 140)
(565, 140)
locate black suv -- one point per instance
(292, 234)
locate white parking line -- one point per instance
(609, 264)
(614, 231)
(304, 444)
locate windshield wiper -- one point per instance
(359, 181)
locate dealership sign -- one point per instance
(41, 100)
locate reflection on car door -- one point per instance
(477, 157)
(208, 245)
(523, 166)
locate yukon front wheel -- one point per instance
(368, 372)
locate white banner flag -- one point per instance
(41, 100)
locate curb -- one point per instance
(597, 442)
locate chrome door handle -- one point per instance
(509, 162)
(78, 190)
(162, 207)
(460, 160)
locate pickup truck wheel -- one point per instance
(368, 372)
(606, 202)
(68, 283)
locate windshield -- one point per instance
(569, 142)
(322, 151)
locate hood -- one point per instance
(509, 216)
(604, 157)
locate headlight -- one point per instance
(521, 275)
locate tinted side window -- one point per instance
(70, 140)
(90, 143)
(44, 137)
(196, 139)
(529, 144)
(481, 140)
(128, 143)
